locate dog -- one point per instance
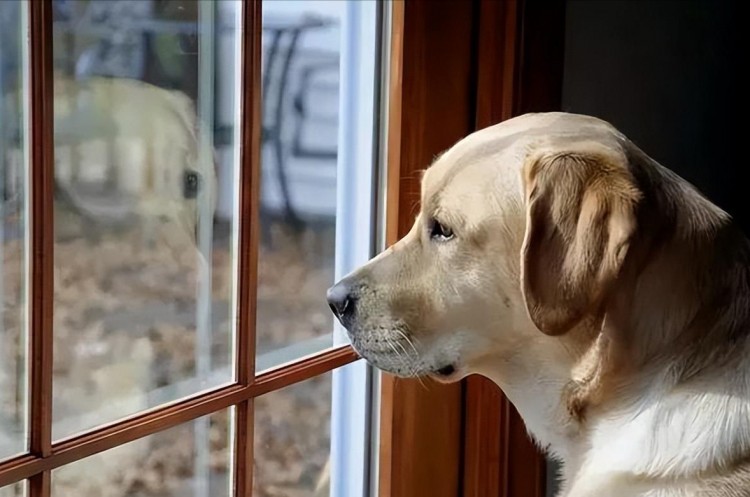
(603, 293)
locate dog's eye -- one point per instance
(440, 232)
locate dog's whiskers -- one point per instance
(408, 340)
(414, 368)
(396, 353)
(404, 356)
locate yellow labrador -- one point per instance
(605, 296)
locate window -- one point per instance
(14, 249)
(167, 237)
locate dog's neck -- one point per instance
(534, 373)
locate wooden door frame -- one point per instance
(458, 66)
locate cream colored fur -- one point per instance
(606, 297)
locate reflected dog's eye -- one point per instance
(440, 232)
(190, 185)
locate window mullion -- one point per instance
(40, 484)
(41, 225)
(247, 245)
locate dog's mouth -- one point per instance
(446, 371)
(446, 374)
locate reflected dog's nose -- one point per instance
(340, 301)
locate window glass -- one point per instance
(190, 460)
(146, 115)
(317, 176)
(293, 440)
(15, 490)
(13, 229)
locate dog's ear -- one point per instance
(580, 219)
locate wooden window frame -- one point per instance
(43, 455)
(463, 64)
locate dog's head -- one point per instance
(523, 227)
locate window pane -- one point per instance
(190, 460)
(14, 490)
(13, 246)
(293, 440)
(317, 166)
(145, 122)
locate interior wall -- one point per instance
(666, 73)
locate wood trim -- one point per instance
(40, 484)
(392, 182)
(498, 45)
(249, 190)
(41, 218)
(304, 369)
(244, 418)
(388, 400)
(520, 51)
(248, 243)
(485, 454)
(101, 439)
(431, 106)
(525, 466)
(17, 468)
(163, 418)
(393, 149)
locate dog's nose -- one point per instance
(340, 300)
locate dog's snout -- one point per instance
(340, 300)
